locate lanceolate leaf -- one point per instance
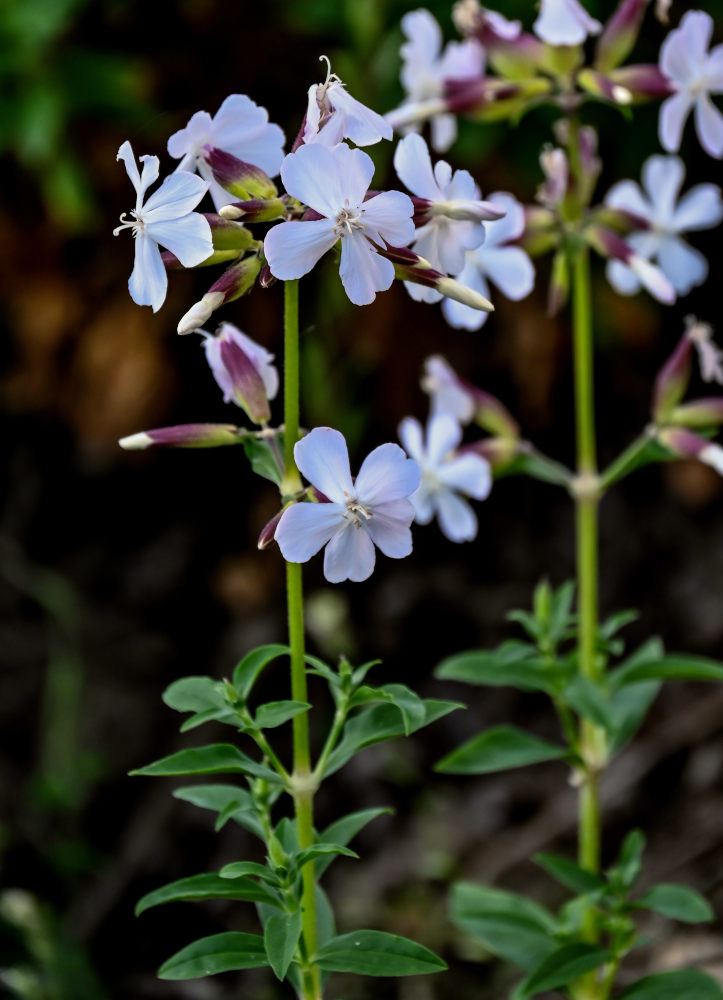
(195, 694)
(321, 850)
(513, 664)
(589, 701)
(217, 758)
(570, 874)
(685, 984)
(281, 936)
(342, 831)
(276, 713)
(249, 668)
(628, 707)
(561, 967)
(217, 953)
(669, 668)
(375, 953)
(498, 750)
(677, 902)
(206, 887)
(227, 800)
(239, 868)
(263, 459)
(511, 926)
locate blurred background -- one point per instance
(121, 572)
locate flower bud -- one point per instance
(243, 370)
(266, 537)
(489, 99)
(619, 34)
(699, 413)
(243, 180)
(609, 244)
(513, 53)
(557, 171)
(185, 436)
(463, 209)
(644, 81)
(600, 85)
(685, 444)
(559, 289)
(498, 451)
(258, 210)
(409, 266)
(235, 281)
(200, 312)
(541, 233)
(229, 235)
(672, 380)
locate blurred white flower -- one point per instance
(564, 22)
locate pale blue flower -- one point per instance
(166, 219)
(564, 22)
(372, 509)
(332, 114)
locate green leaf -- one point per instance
(225, 715)
(589, 701)
(321, 850)
(344, 830)
(514, 664)
(227, 800)
(217, 953)
(409, 704)
(684, 984)
(624, 873)
(360, 672)
(527, 620)
(677, 902)
(628, 707)
(570, 874)
(499, 749)
(281, 936)
(263, 459)
(249, 668)
(206, 887)
(216, 758)
(561, 613)
(237, 869)
(612, 625)
(560, 967)
(375, 953)
(325, 927)
(510, 926)
(194, 694)
(276, 713)
(669, 668)
(379, 723)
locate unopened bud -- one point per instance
(559, 289)
(465, 210)
(620, 34)
(229, 235)
(512, 52)
(235, 281)
(243, 180)
(541, 233)
(609, 244)
(643, 82)
(672, 380)
(185, 436)
(200, 312)
(498, 451)
(685, 444)
(556, 170)
(409, 266)
(453, 289)
(243, 370)
(258, 210)
(699, 413)
(268, 531)
(604, 86)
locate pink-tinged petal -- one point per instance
(709, 126)
(363, 126)
(459, 315)
(219, 195)
(349, 555)
(386, 474)
(390, 215)
(628, 196)
(443, 131)
(699, 208)
(293, 248)
(462, 60)
(456, 518)
(177, 196)
(413, 165)
(510, 226)
(389, 528)
(468, 474)
(192, 137)
(260, 357)
(148, 282)
(673, 114)
(662, 180)
(622, 278)
(362, 270)
(412, 438)
(305, 527)
(684, 266)
(511, 270)
(323, 459)
(443, 436)
(564, 22)
(188, 238)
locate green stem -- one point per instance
(302, 784)
(624, 463)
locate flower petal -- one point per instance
(386, 474)
(699, 208)
(444, 132)
(390, 215)
(148, 282)
(468, 474)
(363, 126)
(177, 196)
(189, 238)
(628, 196)
(662, 180)
(191, 138)
(412, 438)
(622, 278)
(456, 518)
(462, 60)
(349, 555)
(684, 266)
(673, 114)
(389, 528)
(323, 459)
(305, 527)
(709, 126)
(150, 170)
(326, 179)
(293, 248)
(511, 270)
(362, 270)
(443, 436)
(413, 165)
(510, 226)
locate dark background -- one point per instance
(121, 572)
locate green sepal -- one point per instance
(342, 831)
(683, 984)
(216, 758)
(276, 713)
(217, 953)
(499, 749)
(281, 936)
(514, 664)
(210, 886)
(376, 953)
(570, 874)
(677, 902)
(248, 669)
(513, 927)
(560, 967)
(228, 801)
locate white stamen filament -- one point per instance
(135, 225)
(355, 511)
(347, 220)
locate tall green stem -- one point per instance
(303, 786)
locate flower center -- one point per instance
(136, 224)
(347, 220)
(356, 513)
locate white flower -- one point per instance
(699, 208)
(564, 22)
(168, 219)
(455, 207)
(243, 370)
(445, 476)
(507, 267)
(239, 127)
(426, 68)
(371, 510)
(447, 391)
(334, 182)
(332, 115)
(696, 74)
(712, 455)
(710, 356)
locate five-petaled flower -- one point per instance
(332, 114)
(695, 74)
(445, 475)
(657, 203)
(166, 219)
(564, 22)
(334, 183)
(239, 127)
(372, 509)
(243, 370)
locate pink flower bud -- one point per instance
(699, 413)
(685, 444)
(185, 436)
(672, 380)
(620, 34)
(243, 180)
(266, 537)
(243, 370)
(609, 244)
